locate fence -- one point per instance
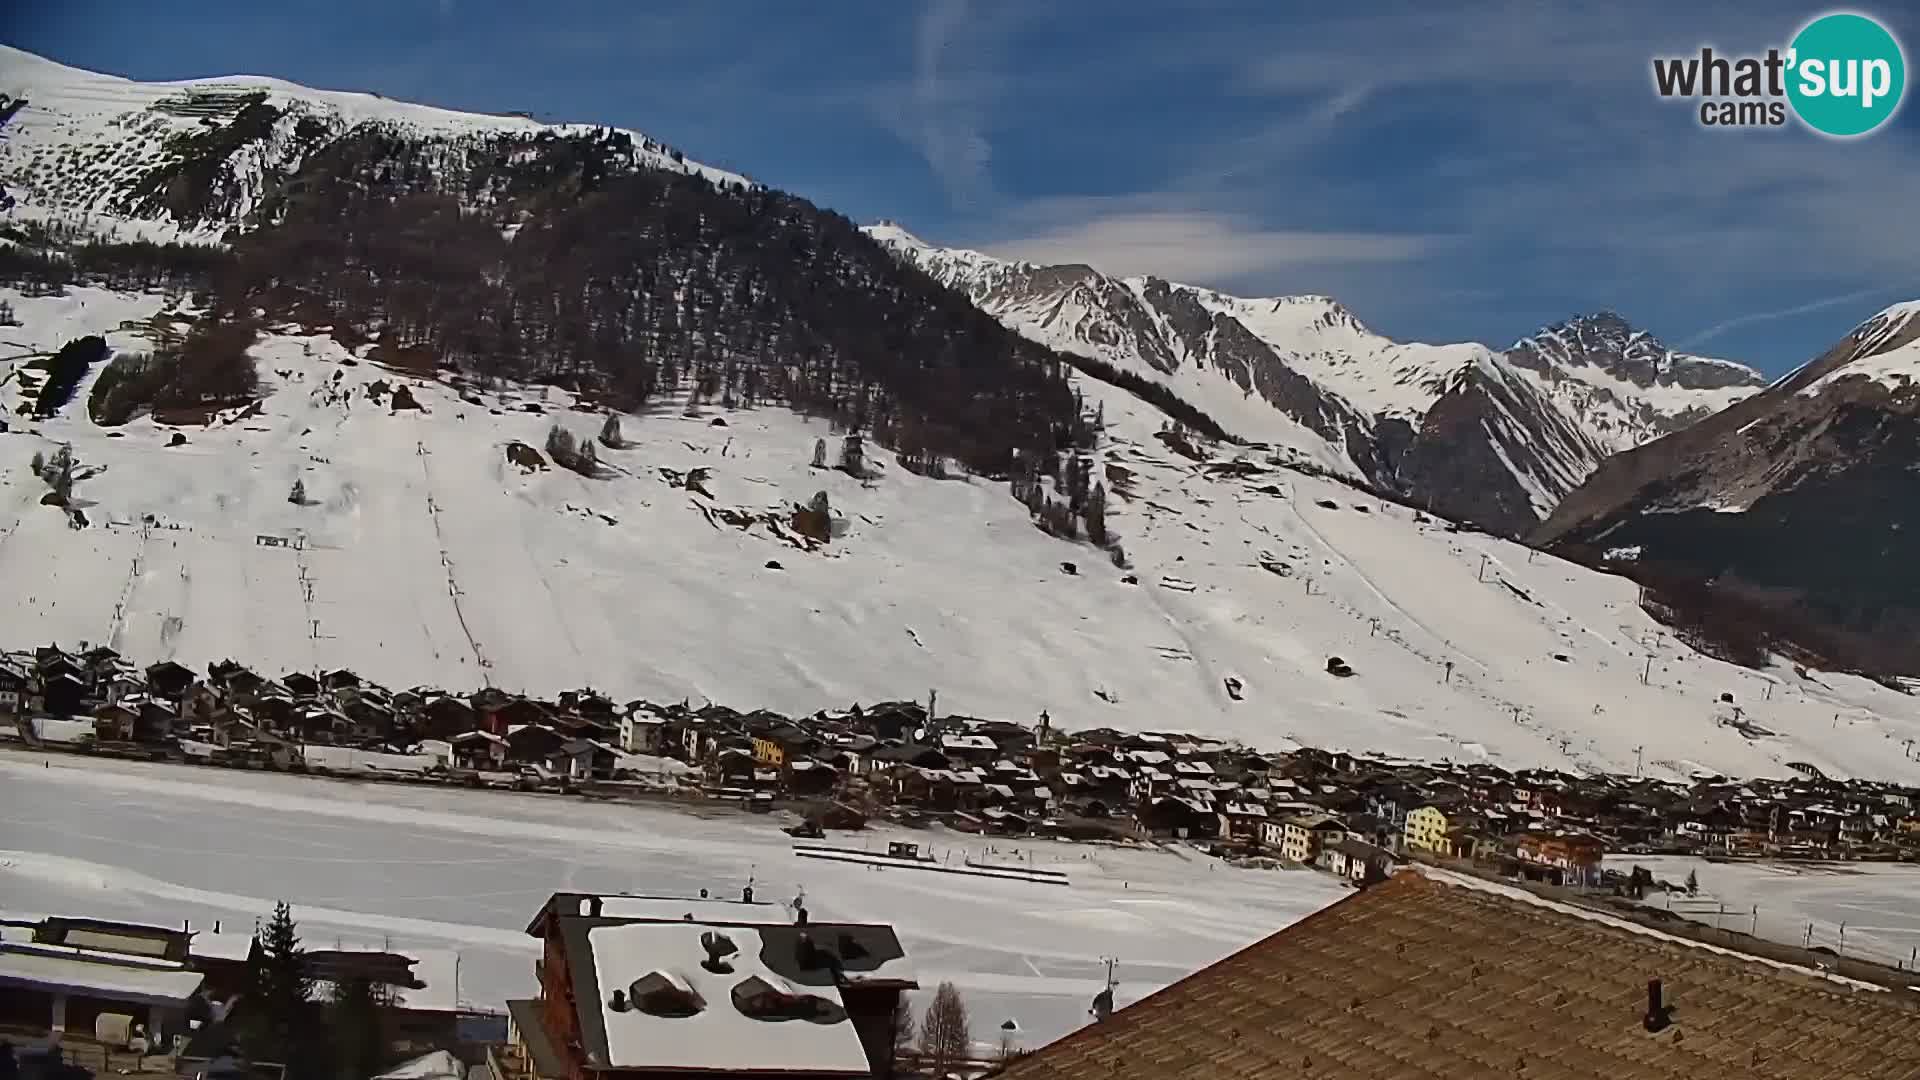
(1814, 936)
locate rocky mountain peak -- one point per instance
(1606, 341)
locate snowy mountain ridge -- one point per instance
(1885, 350)
(438, 545)
(188, 160)
(1529, 422)
(1799, 498)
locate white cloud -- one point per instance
(1807, 308)
(1201, 247)
(943, 124)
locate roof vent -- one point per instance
(1659, 1014)
(769, 997)
(719, 947)
(662, 993)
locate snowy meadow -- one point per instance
(464, 871)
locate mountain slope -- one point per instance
(1801, 497)
(192, 159)
(1493, 438)
(428, 309)
(431, 556)
(578, 256)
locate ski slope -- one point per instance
(429, 558)
(436, 871)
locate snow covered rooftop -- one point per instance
(810, 1034)
(39, 968)
(222, 946)
(702, 909)
(968, 742)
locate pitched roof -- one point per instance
(1421, 979)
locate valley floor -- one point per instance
(464, 871)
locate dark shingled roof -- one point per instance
(1422, 979)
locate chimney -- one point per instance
(1657, 1017)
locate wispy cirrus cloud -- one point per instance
(1474, 175)
(1811, 306)
(944, 119)
(1198, 246)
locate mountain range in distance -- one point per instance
(1494, 437)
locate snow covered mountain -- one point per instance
(191, 159)
(437, 543)
(1803, 496)
(1623, 385)
(412, 362)
(1494, 438)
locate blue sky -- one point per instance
(1466, 173)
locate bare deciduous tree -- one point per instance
(945, 1036)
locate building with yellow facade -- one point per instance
(1427, 830)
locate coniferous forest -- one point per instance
(553, 259)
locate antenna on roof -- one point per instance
(1103, 1001)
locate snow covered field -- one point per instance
(465, 871)
(429, 558)
(1879, 903)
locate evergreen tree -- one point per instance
(610, 433)
(853, 454)
(1077, 473)
(59, 472)
(1096, 514)
(298, 495)
(563, 448)
(283, 991)
(359, 1028)
(39, 464)
(819, 453)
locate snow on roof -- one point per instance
(719, 1037)
(214, 946)
(487, 736)
(20, 966)
(706, 909)
(968, 742)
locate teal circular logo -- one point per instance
(1846, 74)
